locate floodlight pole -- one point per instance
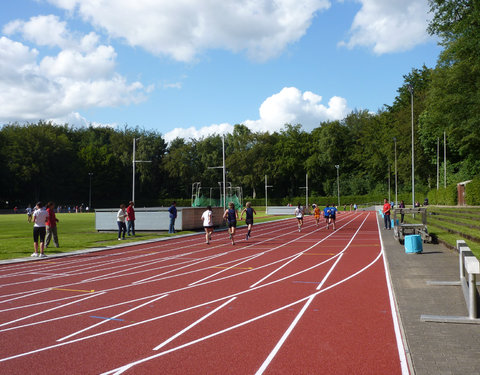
(90, 192)
(438, 162)
(134, 162)
(396, 195)
(338, 183)
(266, 199)
(224, 188)
(445, 160)
(410, 88)
(389, 199)
(306, 190)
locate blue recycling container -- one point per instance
(392, 222)
(413, 243)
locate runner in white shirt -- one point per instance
(299, 216)
(207, 218)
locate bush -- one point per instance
(472, 192)
(443, 196)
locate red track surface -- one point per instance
(283, 302)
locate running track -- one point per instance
(283, 302)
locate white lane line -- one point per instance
(224, 270)
(178, 334)
(276, 270)
(52, 309)
(121, 369)
(282, 340)
(301, 253)
(395, 312)
(203, 304)
(113, 317)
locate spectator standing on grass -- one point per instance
(51, 225)
(173, 215)
(386, 214)
(231, 215)
(122, 228)
(207, 218)
(249, 211)
(131, 218)
(299, 216)
(40, 217)
(29, 213)
(402, 214)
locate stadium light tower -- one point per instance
(266, 199)
(410, 89)
(338, 183)
(134, 162)
(90, 192)
(396, 195)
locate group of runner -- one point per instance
(329, 214)
(231, 217)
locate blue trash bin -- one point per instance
(413, 243)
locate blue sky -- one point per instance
(192, 68)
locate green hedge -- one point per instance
(472, 192)
(443, 196)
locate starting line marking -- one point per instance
(74, 290)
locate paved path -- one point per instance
(435, 348)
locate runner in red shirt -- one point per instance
(51, 225)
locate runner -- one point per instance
(316, 213)
(326, 214)
(249, 211)
(333, 214)
(207, 218)
(299, 216)
(231, 215)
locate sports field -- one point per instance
(283, 302)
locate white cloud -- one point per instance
(194, 133)
(389, 25)
(290, 105)
(182, 29)
(81, 75)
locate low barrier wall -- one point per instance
(158, 218)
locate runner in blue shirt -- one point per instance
(326, 214)
(249, 211)
(333, 214)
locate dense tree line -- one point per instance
(47, 161)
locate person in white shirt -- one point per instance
(299, 216)
(40, 217)
(122, 227)
(207, 218)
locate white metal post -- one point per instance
(410, 88)
(438, 161)
(396, 195)
(133, 174)
(338, 184)
(444, 159)
(224, 188)
(306, 191)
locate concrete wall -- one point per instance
(157, 218)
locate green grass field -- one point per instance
(75, 232)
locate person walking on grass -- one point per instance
(40, 217)
(207, 218)
(231, 215)
(122, 228)
(249, 211)
(299, 216)
(386, 214)
(29, 213)
(131, 218)
(51, 225)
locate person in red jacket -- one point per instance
(131, 219)
(51, 225)
(386, 214)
